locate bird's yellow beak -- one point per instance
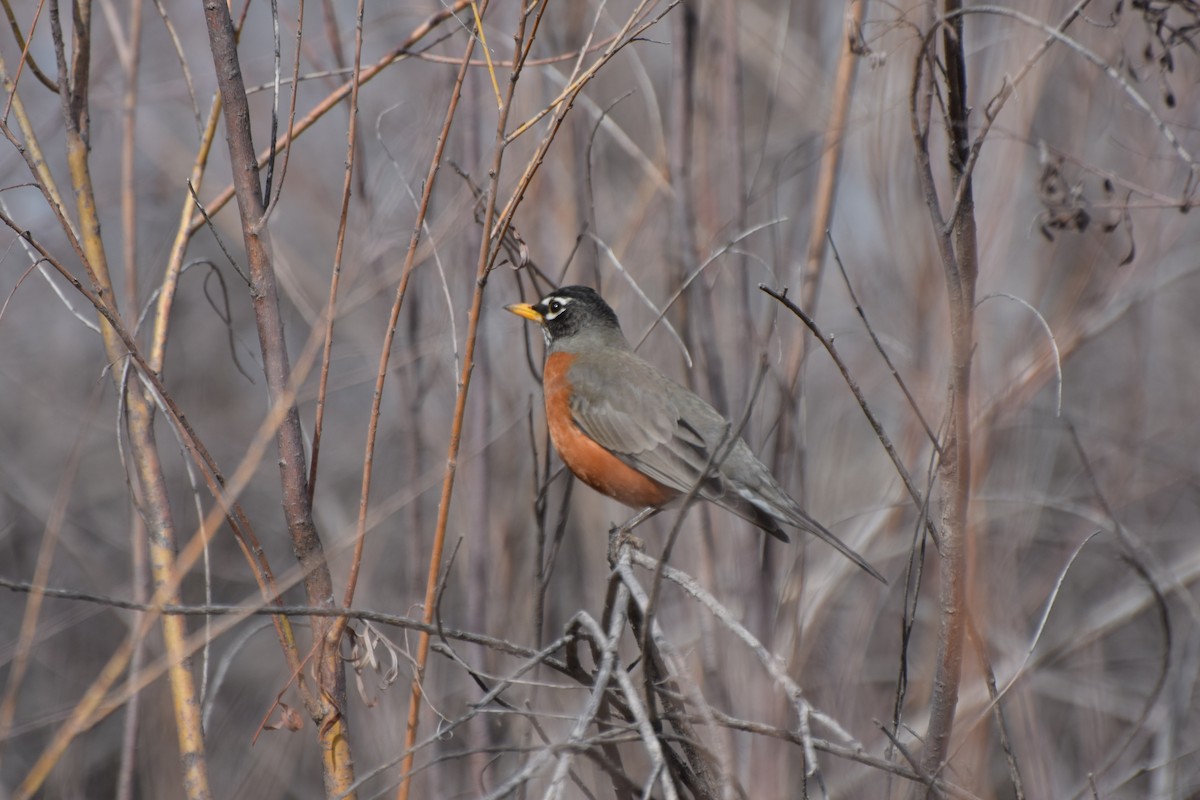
(527, 311)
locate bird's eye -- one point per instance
(554, 306)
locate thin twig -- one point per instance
(862, 314)
(339, 247)
(414, 710)
(913, 492)
(806, 713)
(334, 98)
(329, 709)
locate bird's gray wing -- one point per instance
(668, 433)
(632, 410)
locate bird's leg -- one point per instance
(625, 528)
(623, 534)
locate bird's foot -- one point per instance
(620, 536)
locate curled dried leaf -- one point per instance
(288, 720)
(371, 651)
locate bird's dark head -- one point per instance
(569, 311)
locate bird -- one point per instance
(635, 435)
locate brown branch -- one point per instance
(957, 249)
(339, 249)
(806, 713)
(985, 662)
(50, 537)
(26, 56)
(129, 105)
(183, 235)
(831, 159)
(30, 149)
(222, 490)
(390, 332)
(270, 200)
(248, 610)
(827, 341)
(464, 382)
(841, 751)
(82, 713)
(155, 505)
(338, 95)
(822, 215)
(185, 229)
(329, 710)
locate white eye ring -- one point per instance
(555, 306)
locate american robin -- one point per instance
(629, 432)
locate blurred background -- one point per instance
(685, 175)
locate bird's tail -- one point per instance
(791, 513)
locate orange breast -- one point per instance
(590, 462)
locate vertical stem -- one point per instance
(138, 562)
(329, 710)
(958, 249)
(680, 151)
(831, 160)
(339, 249)
(414, 710)
(129, 154)
(156, 511)
(460, 405)
(790, 435)
(74, 85)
